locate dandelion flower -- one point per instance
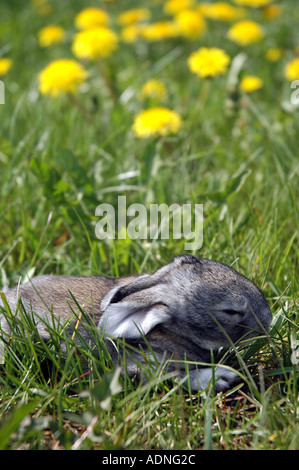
(190, 24)
(172, 7)
(253, 3)
(5, 65)
(132, 32)
(272, 12)
(154, 88)
(90, 18)
(292, 70)
(221, 11)
(160, 30)
(61, 76)
(94, 43)
(156, 122)
(208, 62)
(274, 54)
(50, 35)
(251, 83)
(133, 16)
(245, 32)
(42, 6)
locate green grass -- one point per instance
(58, 163)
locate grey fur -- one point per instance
(184, 310)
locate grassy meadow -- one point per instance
(67, 146)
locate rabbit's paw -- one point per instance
(201, 378)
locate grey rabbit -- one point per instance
(184, 310)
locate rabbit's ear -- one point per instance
(133, 310)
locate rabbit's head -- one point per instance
(204, 301)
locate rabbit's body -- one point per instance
(183, 311)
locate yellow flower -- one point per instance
(292, 70)
(190, 24)
(130, 17)
(160, 30)
(5, 65)
(132, 33)
(253, 3)
(274, 54)
(61, 76)
(221, 11)
(91, 18)
(156, 122)
(172, 7)
(208, 62)
(251, 83)
(42, 6)
(49, 35)
(272, 12)
(154, 89)
(94, 43)
(245, 32)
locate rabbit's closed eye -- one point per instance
(231, 312)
